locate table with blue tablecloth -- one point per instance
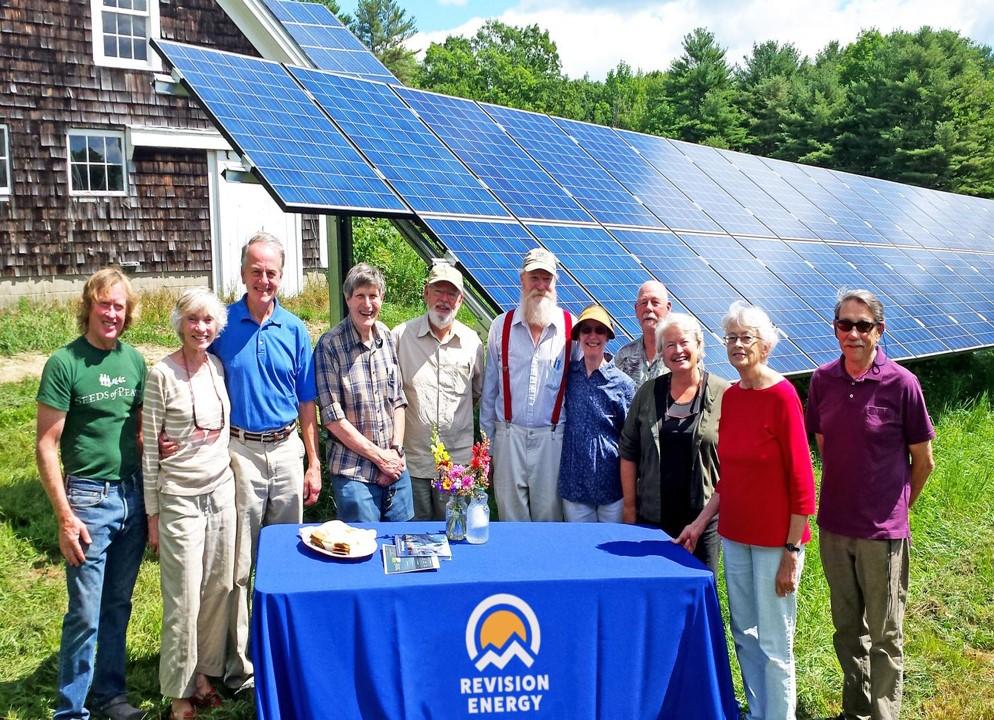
(546, 620)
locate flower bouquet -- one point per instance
(462, 484)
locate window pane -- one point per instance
(115, 155)
(110, 46)
(98, 177)
(124, 48)
(115, 178)
(77, 148)
(110, 3)
(138, 27)
(95, 146)
(79, 177)
(141, 5)
(141, 50)
(4, 183)
(124, 25)
(110, 22)
(124, 4)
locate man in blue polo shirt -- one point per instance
(269, 372)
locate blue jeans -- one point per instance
(94, 628)
(763, 627)
(358, 501)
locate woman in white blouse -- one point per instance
(190, 501)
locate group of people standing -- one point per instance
(203, 450)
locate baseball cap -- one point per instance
(444, 272)
(539, 259)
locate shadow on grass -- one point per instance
(25, 508)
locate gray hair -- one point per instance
(745, 315)
(198, 300)
(871, 301)
(269, 239)
(687, 323)
(363, 274)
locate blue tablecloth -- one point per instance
(547, 620)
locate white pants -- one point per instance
(585, 512)
(269, 490)
(526, 472)
(196, 564)
(763, 627)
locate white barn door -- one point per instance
(238, 210)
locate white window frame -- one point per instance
(85, 132)
(97, 11)
(5, 161)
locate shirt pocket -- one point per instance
(456, 377)
(878, 419)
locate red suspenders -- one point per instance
(505, 370)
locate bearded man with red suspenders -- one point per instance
(521, 409)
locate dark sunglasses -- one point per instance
(862, 326)
(589, 328)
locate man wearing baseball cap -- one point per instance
(441, 364)
(529, 350)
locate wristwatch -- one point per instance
(791, 547)
(399, 449)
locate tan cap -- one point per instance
(539, 259)
(593, 312)
(444, 272)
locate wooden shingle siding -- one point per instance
(49, 84)
(309, 232)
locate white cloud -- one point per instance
(593, 37)
(456, 3)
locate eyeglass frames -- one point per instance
(862, 326)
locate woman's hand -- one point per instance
(786, 581)
(153, 533)
(689, 536)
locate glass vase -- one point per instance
(478, 519)
(455, 518)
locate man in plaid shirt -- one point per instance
(361, 396)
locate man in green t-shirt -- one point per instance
(89, 412)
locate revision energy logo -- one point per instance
(503, 629)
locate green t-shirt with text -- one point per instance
(101, 393)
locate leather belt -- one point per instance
(270, 436)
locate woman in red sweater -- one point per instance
(766, 493)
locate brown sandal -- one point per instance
(208, 701)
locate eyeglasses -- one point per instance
(746, 340)
(193, 399)
(588, 328)
(862, 326)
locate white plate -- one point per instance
(366, 546)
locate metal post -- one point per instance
(339, 261)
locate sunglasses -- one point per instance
(862, 326)
(589, 328)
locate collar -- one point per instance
(838, 368)
(422, 327)
(353, 338)
(246, 314)
(519, 319)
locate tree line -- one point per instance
(913, 107)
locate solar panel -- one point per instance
(964, 272)
(640, 179)
(676, 167)
(745, 191)
(297, 152)
(602, 195)
(415, 162)
(491, 252)
(910, 334)
(527, 190)
(326, 42)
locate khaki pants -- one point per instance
(269, 490)
(868, 580)
(428, 502)
(526, 472)
(196, 563)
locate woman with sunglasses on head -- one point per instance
(597, 398)
(766, 493)
(669, 458)
(190, 501)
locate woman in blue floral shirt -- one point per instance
(597, 398)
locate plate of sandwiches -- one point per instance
(338, 540)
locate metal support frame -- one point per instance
(339, 239)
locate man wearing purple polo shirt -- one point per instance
(875, 438)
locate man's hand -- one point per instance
(72, 536)
(167, 446)
(312, 484)
(689, 536)
(390, 464)
(153, 533)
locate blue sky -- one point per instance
(594, 35)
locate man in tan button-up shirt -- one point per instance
(441, 363)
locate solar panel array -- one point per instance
(326, 42)
(618, 208)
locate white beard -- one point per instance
(441, 321)
(539, 309)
